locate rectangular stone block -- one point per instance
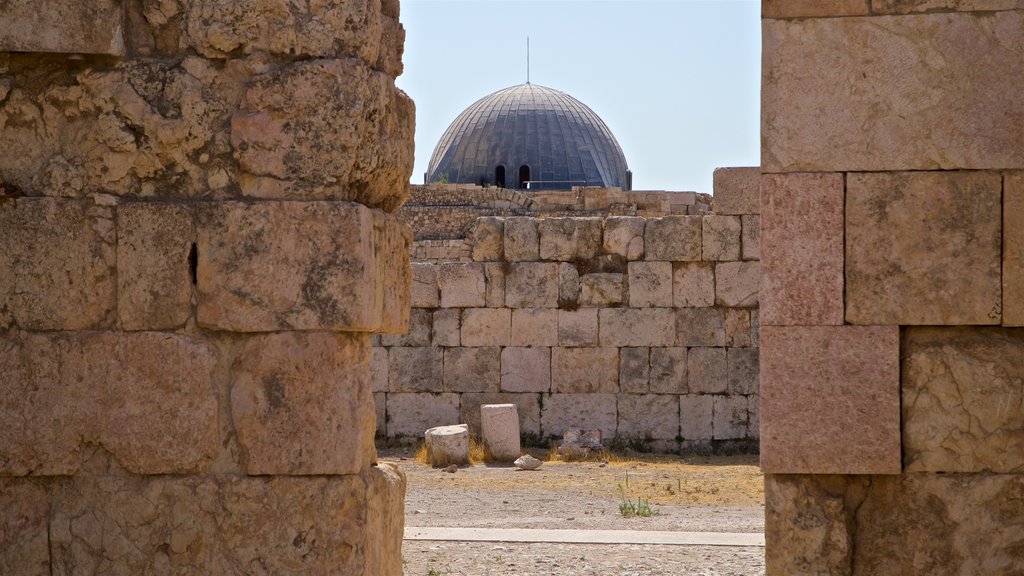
(589, 411)
(495, 293)
(634, 370)
(462, 285)
(721, 237)
(418, 333)
(700, 327)
(754, 416)
(568, 286)
(532, 285)
(447, 328)
(486, 239)
(525, 369)
(668, 371)
(411, 413)
(379, 370)
(673, 238)
(25, 525)
(578, 327)
(637, 327)
(584, 370)
(848, 94)
(415, 369)
(696, 414)
(737, 284)
(650, 284)
(522, 240)
(63, 26)
(737, 328)
(391, 241)
(535, 327)
(425, 291)
(58, 259)
(569, 239)
(736, 190)
(751, 237)
(472, 369)
(923, 248)
(743, 370)
(730, 417)
(486, 327)
(830, 400)
(1013, 249)
(602, 289)
(708, 370)
(693, 284)
(648, 416)
(912, 6)
(527, 408)
(624, 236)
(802, 266)
(813, 9)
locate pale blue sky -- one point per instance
(677, 81)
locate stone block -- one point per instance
(535, 327)
(569, 239)
(912, 6)
(486, 327)
(521, 240)
(634, 370)
(813, 9)
(721, 237)
(755, 328)
(624, 235)
(830, 400)
(525, 369)
(730, 417)
(668, 370)
(650, 284)
(923, 248)
(472, 369)
(707, 370)
(59, 259)
(700, 327)
(418, 334)
(415, 369)
(380, 405)
(447, 445)
(802, 223)
(532, 285)
(648, 416)
(848, 94)
(737, 328)
(737, 284)
(425, 291)
(961, 395)
(568, 286)
(410, 414)
(696, 414)
(637, 327)
(527, 407)
(63, 26)
(693, 284)
(754, 416)
(463, 285)
(486, 239)
(447, 327)
(673, 238)
(154, 280)
(737, 190)
(1013, 249)
(494, 296)
(585, 411)
(743, 370)
(602, 289)
(379, 370)
(24, 523)
(584, 370)
(391, 241)
(499, 429)
(751, 237)
(578, 327)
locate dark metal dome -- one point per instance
(529, 133)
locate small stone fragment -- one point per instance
(527, 462)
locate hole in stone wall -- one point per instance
(193, 263)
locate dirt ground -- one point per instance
(697, 494)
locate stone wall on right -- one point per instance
(892, 296)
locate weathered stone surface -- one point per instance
(494, 296)
(738, 328)
(813, 9)
(743, 370)
(525, 369)
(637, 327)
(568, 286)
(721, 237)
(486, 327)
(532, 285)
(751, 237)
(300, 404)
(578, 327)
(418, 333)
(58, 259)
(521, 240)
(472, 369)
(806, 524)
(830, 400)
(447, 445)
(650, 284)
(708, 370)
(391, 242)
(425, 291)
(385, 519)
(696, 413)
(584, 370)
(754, 417)
(527, 407)
(590, 411)
(668, 371)
(380, 406)
(1013, 249)
(673, 238)
(499, 429)
(624, 235)
(648, 416)
(693, 284)
(535, 327)
(737, 284)
(487, 239)
(379, 369)
(411, 413)
(961, 396)
(634, 370)
(463, 285)
(568, 239)
(146, 397)
(873, 94)
(415, 369)
(602, 289)
(802, 224)
(737, 189)
(923, 248)
(730, 417)
(63, 26)
(911, 6)
(700, 327)
(447, 328)
(24, 528)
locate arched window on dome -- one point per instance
(524, 176)
(499, 176)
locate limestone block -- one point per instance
(499, 428)
(532, 285)
(569, 239)
(668, 370)
(634, 370)
(813, 9)
(819, 541)
(527, 407)
(624, 235)
(1013, 249)
(425, 291)
(707, 370)
(584, 370)
(385, 522)
(754, 416)
(418, 334)
(415, 369)
(486, 326)
(64, 26)
(380, 405)
(830, 400)
(730, 417)
(751, 237)
(961, 396)
(743, 370)
(24, 524)
(535, 327)
(911, 6)
(755, 328)
(737, 327)
(521, 240)
(411, 413)
(58, 259)
(696, 414)
(494, 296)
(737, 189)
(585, 411)
(487, 239)
(391, 241)
(737, 284)
(650, 284)
(648, 416)
(447, 327)
(693, 284)
(287, 266)
(379, 369)
(721, 237)
(602, 289)
(578, 327)
(463, 285)
(472, 369)
(923, 248)
(637, 327)
(701, 327)
(525, 369)
(673, 238)
(447, 445)
(568, 286)
(865, 94)
(154, 281)
(145, 397)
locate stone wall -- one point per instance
(892, 343)
(643, 327)
(196, 211)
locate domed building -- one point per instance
(529, 137)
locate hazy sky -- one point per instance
(676, 81)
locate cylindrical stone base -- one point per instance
(447, 445)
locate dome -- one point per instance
(529, 134)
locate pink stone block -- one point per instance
(1013, 249)
(802, 249)
(830, 400)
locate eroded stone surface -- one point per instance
(487, 239)
(648, 416)
(707, 370)
(568, 239)
(912, 6)
(673, 238)
(526, 369)
(535, 327)
(696, 412)
(1013, 249)
(737, 284)
(814, 8)
(668, 372)
(624, 235)
(737, 189)
(521, 240)
(602, 289)
(425, 291)
(24, 528)
(411, 413)
(63, 26)
(578, 327)
(650, 284)
(393, 284)
(415, 369)
(634, 370)
(486, 327)
(637, 326)
(532, 285)
(462, 285)
(585, 411)
(584, 370)
(693, 284)
(472, 369)
(721, 237)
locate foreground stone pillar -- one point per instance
(195, 207)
